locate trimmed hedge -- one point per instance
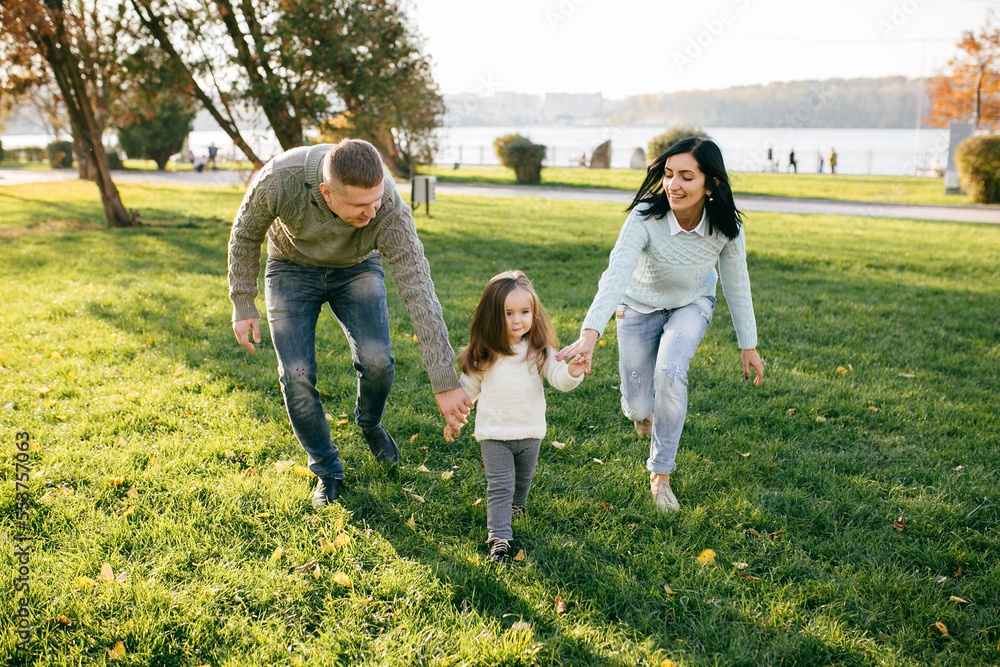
(977, 160)
(520, 154)
(60, 154)
(660, 143)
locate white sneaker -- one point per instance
(663, 495)
(645, 427)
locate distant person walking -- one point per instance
(833, 160)
(213, 151)
(792, 164)
(819, 161)
(770, 158)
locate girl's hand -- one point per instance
(449, 432)
(577, 366)
(582, 348)
(752, 360)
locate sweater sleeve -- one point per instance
(735, 281)
(471, 385)
(624, 256)
(404, 257)
(557, 373)
(255, 215)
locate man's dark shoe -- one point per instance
(327, 490)
(383, 447)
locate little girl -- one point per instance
(511, 346)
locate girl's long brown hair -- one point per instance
(488, 339)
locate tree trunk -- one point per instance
(286, 126)
(66, 69)
(393, 157)
(154, 24)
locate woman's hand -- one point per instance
(582, 348)
(752, 360)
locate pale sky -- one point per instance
(628, 47)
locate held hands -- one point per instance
(582, 351)
(242, 329)
(455, 406)
(752, 360)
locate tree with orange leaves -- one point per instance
(971, 92)
(46, 31)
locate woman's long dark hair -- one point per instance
(723, 216)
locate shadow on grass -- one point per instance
(599, 557)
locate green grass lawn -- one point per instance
(882, 189)
(161, 448)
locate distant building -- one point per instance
(573, 107)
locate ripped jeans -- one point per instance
(654, 353)
(356, 294)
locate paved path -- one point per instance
(623, 197)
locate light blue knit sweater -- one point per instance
(650, 268)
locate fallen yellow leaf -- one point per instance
(65, 620)
(602, 342)
(413, 438)
(117, 481)
(955, 598)
(131, 396)
(414, 338)
(942, 627)
(149, 341)
(263, 515)
(325, 546)
(520, 555)
(558, 445)
(85, 583)
(668, 589)
(423, 468)
(180, 370)
(125, 511)
(55, 356)
(132, 493)
(706, 557)
(107, 573)
(303, 471)
(599, 461)
(411, 522)
(341, 422)
(560, 605)
(343, 580)
(277, 553)
(44, 389)
(667, 662)
(841, 369)
(283, 466)
(477, 501)
(341, 540)
(117, 652)
(419, 499)
(447, 474)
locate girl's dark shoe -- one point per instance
(327, 490)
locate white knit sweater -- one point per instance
(511, 399)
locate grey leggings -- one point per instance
(510, 466)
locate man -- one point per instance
(331, 215)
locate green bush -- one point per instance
(525, 158)
(114, 160)
(1, 152)
(155, 131)
(60, 154)
(978, 162)
(660, 143)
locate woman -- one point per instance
(661, 278)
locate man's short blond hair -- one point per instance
(352, 162)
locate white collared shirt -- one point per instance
(675, 227)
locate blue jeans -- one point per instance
(654, 353)
(294, 295)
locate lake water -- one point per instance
(859, 151)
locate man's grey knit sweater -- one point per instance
(284, 203)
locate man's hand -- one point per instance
(455, 406)
(242, 329)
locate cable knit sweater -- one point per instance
(511, 397)
(650, 268)
(284, 203)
